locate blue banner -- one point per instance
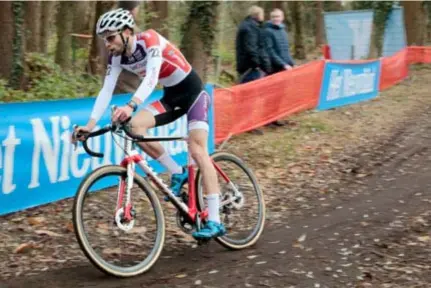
(38, 164)
(394, 38)
(349, 34)
(348, 83)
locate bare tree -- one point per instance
(319, 24)
(159, 23)
(6, 45)
(412, 19)
(46, 21)
(199, 33)
(81, 16)
(97, 51)
(64, 28)
(296, 9)
(32, 25)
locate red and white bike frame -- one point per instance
(132, 158)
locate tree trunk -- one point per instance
(16, 79)
(428, 19)
(64, 28)
(46, 24)
(268, 6)
(412, 11)
(319, 24)
(422, 24)
(7, 30)
(32, 25)
(199, 34)
(81, 15)
(98, 51)
(159, 22)
(299, 51)
(332, 6)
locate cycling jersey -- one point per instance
(154, 59)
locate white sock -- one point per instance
(170, 164)
(213, 207)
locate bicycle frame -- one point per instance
(132, 158)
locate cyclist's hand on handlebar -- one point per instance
(79, 133)
(122, 113)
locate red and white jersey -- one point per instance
(153, 58)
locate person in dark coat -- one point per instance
(277, 43)
(252, 59)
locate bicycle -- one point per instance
(191, 210)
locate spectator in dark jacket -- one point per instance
(252, 58)
(277, 43)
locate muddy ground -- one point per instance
(347, 196)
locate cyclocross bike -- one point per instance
(125, 209)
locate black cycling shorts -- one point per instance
(187, 97)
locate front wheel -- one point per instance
(95, 212)
(242, 206)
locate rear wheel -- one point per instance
(242, 206)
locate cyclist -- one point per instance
(156, 60)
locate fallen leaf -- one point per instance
(198, 282)
(181, 276)
(112, 251)
(302, 238)
(25, 247)
(298, 245)
(47, 232)
(295, 170)
(252, 256)
(213, 272)
(424, 238)
(275, 273)
(138, 230)
(261, 262)
(35, 221)
(69, 227)
(18, 219)
(103, 228)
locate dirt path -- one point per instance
(374, 233)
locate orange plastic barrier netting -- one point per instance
(247, 106)
(419, 54)
(394, 69)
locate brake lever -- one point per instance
(75, 144)
(74, 135)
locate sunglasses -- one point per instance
(110, 38)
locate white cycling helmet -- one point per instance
(114, 20)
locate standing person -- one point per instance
(252, 60)
(277, 45)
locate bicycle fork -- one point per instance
(124, 215)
